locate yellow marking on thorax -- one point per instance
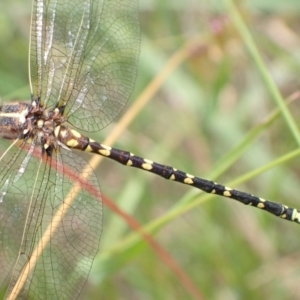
(56, 131)
(129, 163)
(25, 131)
(40, 123)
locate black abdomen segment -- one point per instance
(75, 140)
(167, 172)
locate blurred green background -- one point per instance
(206, 107)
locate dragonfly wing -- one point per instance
(63, 223)
(13, 206)
(84, 56)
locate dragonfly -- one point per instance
(83, 65)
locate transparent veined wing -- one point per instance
(84, 56)
(50, 232)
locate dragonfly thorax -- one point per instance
(26, 121)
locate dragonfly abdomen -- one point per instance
(75, 140)
(71, 138)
